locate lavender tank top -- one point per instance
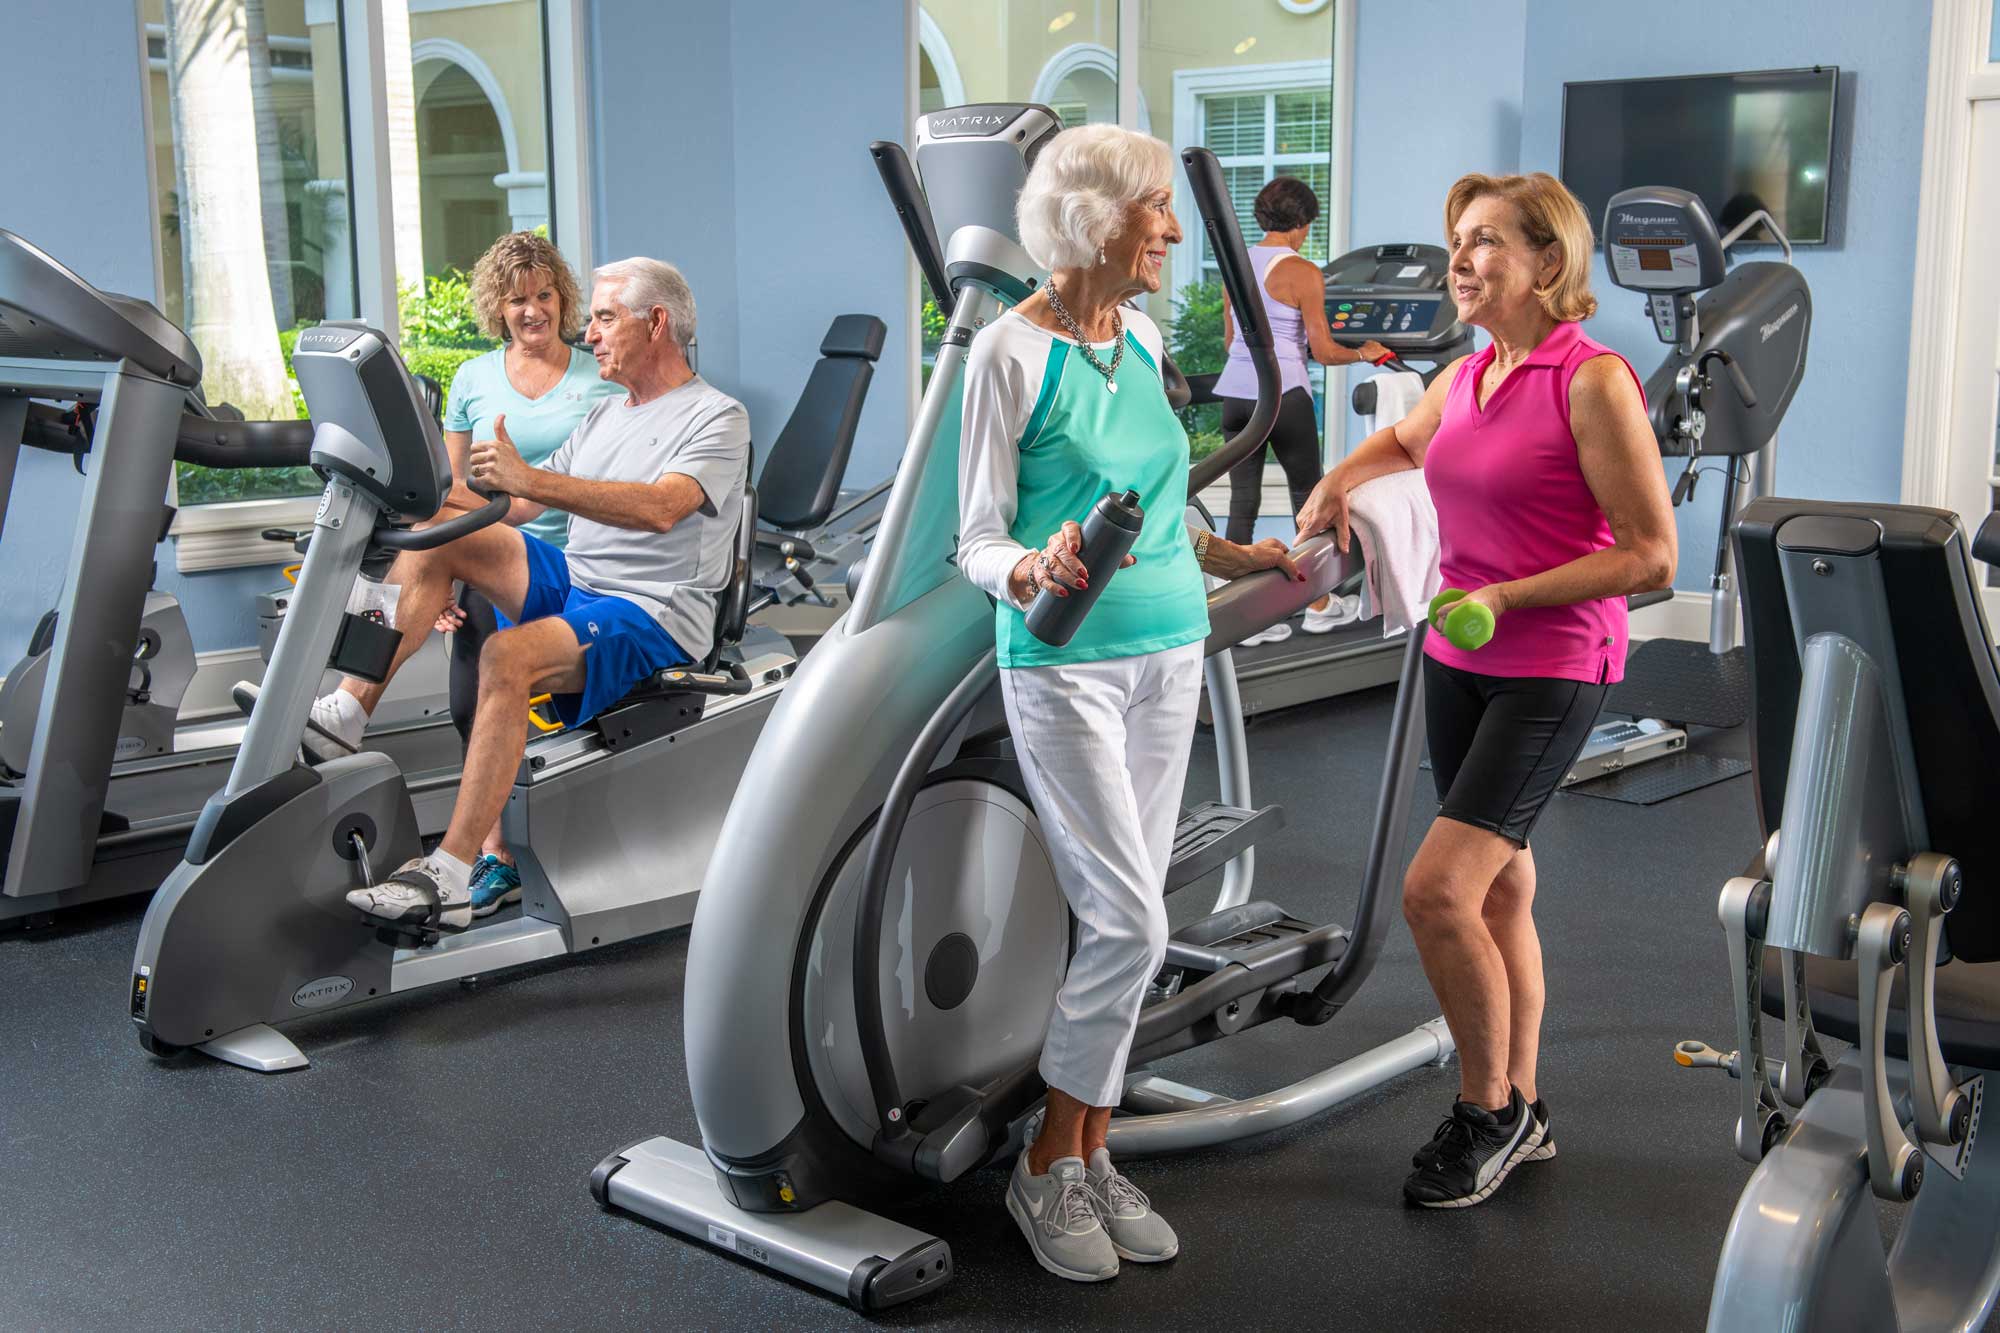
(1288, 336)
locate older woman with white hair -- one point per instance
(1064, 403)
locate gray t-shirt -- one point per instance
(699, 432)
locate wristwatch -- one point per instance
(1202, 537)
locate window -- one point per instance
(250, 148)
(1260, 136)
(1061, 53)
(468, 160)
(250, 103)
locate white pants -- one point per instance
(1104, 748)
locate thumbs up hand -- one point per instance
(495, 464)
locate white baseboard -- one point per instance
(214, 674)
(1685, 617)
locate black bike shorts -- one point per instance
(1500, 744)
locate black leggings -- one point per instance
(1294, 439)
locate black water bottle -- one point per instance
(1108, 533)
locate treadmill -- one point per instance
(76, 824)
(1398, 296)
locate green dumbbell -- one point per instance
(1469, 626)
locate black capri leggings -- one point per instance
(1295, 440)
(1500, 744)
(480, 625)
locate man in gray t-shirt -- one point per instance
(653, 483)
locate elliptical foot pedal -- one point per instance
(1212, 834)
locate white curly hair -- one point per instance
(1081, 184)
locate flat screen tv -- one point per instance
(1741, 141)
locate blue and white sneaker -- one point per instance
(495, 884)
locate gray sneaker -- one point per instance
(1058, 1214)
(1137, 1232)
(416, 894)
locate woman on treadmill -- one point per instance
(1295, 304)
(1552, 508)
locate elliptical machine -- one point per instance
(1876, 735)
(1738, 356)
(916, 918)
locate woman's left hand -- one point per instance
(1231, 561)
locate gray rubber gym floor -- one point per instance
(429, 1170)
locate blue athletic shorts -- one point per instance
(624, 643)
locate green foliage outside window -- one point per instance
(1194, 341)
(439, 334)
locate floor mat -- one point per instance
(1662, 779)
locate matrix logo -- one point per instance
(322, 992)
(129, 746)
(1768, 329)
(326, 340)
(967, 122)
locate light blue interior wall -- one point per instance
(663, 135)
(1437, 93)
(733, 140)
(99, 222)
(815, 85)
(1843, 437)
(1422, 119)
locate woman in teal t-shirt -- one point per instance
(1064, 402)
(524, 294)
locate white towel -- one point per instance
(1397, 527)
(1396, 392)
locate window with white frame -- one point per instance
(1258, 136)
(251, 103)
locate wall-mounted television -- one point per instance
(1763, 139)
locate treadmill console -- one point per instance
(1397, 296)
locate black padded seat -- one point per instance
(801, 476)
(1968, 1007)
(1945, 658)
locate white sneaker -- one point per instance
(1058, 1213)
(420, 892)
(1277, 633)
(332, 731)
(1339, 611)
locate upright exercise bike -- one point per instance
(253, 928)
(879, 946)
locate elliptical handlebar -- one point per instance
(429, 539)
(1225, 241)
(900, 179)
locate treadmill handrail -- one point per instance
(1225, 241)
(204, 441)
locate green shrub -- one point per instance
(440, 363)
(439, 312)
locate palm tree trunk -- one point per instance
(270, 164)
(405, 184)
(229, 312)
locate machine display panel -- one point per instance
(1380, 316)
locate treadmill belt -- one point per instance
(1662, 779)
(1682, 681)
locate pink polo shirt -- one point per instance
(1512, 502)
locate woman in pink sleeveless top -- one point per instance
(1552, 507)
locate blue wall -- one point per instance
(1422, 121)
(1843, 437)
(751, 172)
(1426, 112)
(99, 221)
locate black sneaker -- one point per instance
(1538, 1108)
(1473, 1152)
